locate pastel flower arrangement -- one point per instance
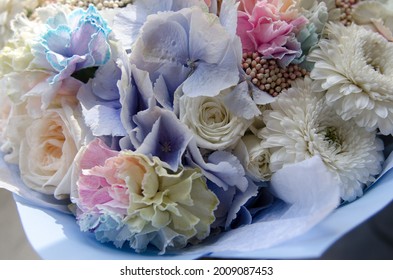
(165, 122)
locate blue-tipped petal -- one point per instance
(73, 42)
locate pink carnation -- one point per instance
(99, 185)
(269, 27)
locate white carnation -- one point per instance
(8, 10)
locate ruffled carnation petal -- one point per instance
(270, 27)
(163, 208)
(73, 42)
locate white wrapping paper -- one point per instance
(302, 227)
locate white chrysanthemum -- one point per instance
(375, 15)
(355, 66)
(300, 126)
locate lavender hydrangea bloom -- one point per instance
(253, 209)
(129, 21)
(221, 167)
(73, 42)
(241, 103)
(150, 130)
(188, 48)
(168, 138)
(227, 179)
(136, 96)
(232, 211)
(228, 14)
(100, 101)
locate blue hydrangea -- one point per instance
(188, 49)
(100, 102)
(227, 178)
(129, 20)
(166, 137)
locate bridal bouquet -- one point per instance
(162, 123)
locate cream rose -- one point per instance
(45, 148)
(214, 126)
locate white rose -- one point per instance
(214, 126)
(45, 148)
(254, 158)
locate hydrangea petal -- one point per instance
(222, 168)
(144, 121)
(240, 103)
(136, 96)
(261, 97)
(101, 116)
(239, 200)
(167, 140)
(168, 45)
(208, 50)
(104, 84)
(129, 21)
(211, 79)
(104, 121)
(162, 94)
(228, 15)
(206, 62)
